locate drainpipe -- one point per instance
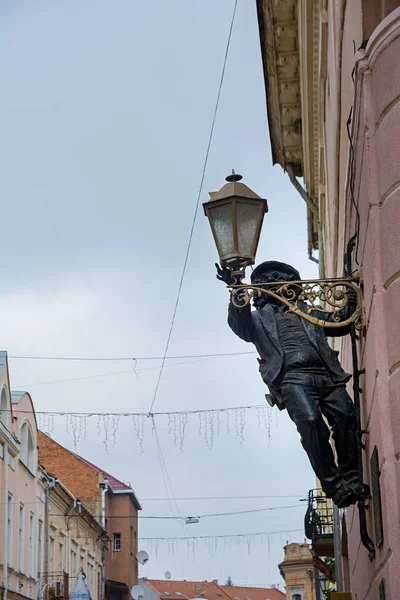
(310, 205)
(104, 490)
(50, 487)
(337, 545)
(6, 509)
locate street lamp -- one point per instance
(325, 584)
(236, 215)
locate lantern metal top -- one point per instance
(234, 176)
(234, 188)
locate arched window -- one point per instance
(27, 447)
(296, 597)
(4, 409)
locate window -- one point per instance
(10, 510)
(21, 540)
(60, 557)
(51, 556)
(27, 447)
(31, 537)
(4, 410)
(73, 564)
(90, 569)
(117, 542)
(376, 497)
(296, 597)
(39, 548)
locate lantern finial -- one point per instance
(234, 177)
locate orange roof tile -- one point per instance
(209, 590)
(253, 593)
(167, 589)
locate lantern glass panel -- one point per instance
(247, 217)
(221, 218)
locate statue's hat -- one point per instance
(270, 266)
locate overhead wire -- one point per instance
(163, 465)
(191, 538)
(134, 370)
(137, 414)
(196, 207)
(126, 358)
(206, 516)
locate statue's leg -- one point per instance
(339, 410)
(302, 404)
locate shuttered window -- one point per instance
(376, 497)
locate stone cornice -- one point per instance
(293, 46)
(279, 47)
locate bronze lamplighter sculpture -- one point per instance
(288, 328)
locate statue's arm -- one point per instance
(239, 319)
(241, 322)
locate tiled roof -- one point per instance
(210, 590)
(253, 593)
(115, 484)
(167, 589)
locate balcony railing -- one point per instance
(318, 523)
(54, 585)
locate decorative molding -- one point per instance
(293, 37)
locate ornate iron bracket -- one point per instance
(329, 303)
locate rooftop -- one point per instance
(116, 485)
(210, 590)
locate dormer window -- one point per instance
(27, 447)
(4, 408)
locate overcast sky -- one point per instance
(106, 110)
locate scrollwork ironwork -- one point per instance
(330, 303)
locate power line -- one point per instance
(138, 414)
(169, 517)
(191, 538)
(196, 208)
(126, 358)
(134, 370)
(223, 497)
(229, 535)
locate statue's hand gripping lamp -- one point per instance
(236, 215)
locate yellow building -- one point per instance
(298, 572)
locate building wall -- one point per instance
(121, 514)
(299, 572)
(81, 479)
(22, 502)
(122, 518)
(375, 124)
(75, 542)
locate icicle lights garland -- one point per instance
(210, 423)
(215, 544)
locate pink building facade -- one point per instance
(22, 493)
(375, 102)
(332, 72)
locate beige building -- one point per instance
(76, 540)
(298, 571)
(111, 500)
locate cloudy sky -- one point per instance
(106, 112)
